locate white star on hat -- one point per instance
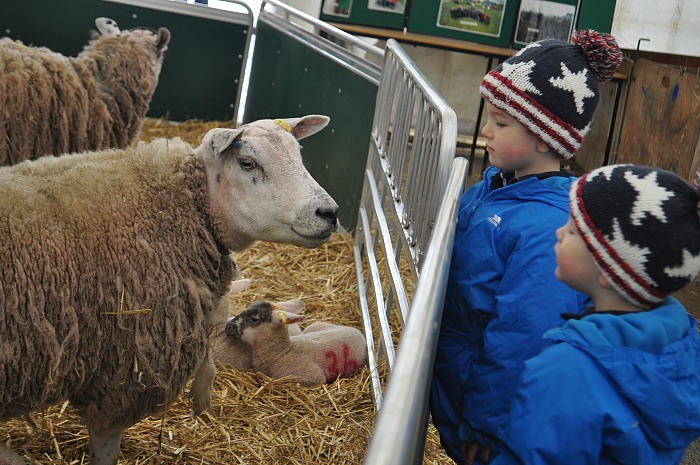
(650, 197)
(574, 83)
(532, 45)
(629, 252)
(519, 74)
(689, 268)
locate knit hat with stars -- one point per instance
(551, 87)
(642, 226)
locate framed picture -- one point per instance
(543, 19)
(475, 16)
(386, 14)
(337, 8)
(389, 6)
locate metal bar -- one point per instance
(399, 432)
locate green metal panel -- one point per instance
(290, 79)
(200, 74)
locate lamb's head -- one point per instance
(259, 189)
(141, 42)
(264, 316)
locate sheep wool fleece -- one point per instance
(117, 278)
(610, 389)
(502, 295)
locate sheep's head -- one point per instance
(264, 314)
(259, 189)
(141, 43)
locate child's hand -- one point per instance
(469, 450)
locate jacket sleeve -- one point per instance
(529, 301)
(558, 413)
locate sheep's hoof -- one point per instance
(104, 447)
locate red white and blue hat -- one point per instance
(642, 226)
(551, 87)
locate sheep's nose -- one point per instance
(329, 214)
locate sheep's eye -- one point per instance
(246, 163)
(255, 318)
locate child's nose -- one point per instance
(486, 130)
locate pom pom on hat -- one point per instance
(642, 226)
(603, 54)
(551, 87)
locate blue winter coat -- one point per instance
(610, 389)
(502, 295)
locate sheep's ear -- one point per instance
(304, 126)
(163, 39)
(292, 306)
(287, 318)
(217, 140)
(107, 26)
(239, 285)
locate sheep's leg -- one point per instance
(200, 391)
(9, 457)
(104, 446)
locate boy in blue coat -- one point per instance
(619, 384)
(501, 292)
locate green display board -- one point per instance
(388, 14)
(202, 67)
(502, 23)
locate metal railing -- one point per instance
(404, 235)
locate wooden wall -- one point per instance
(661, 123)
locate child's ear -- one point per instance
(603, 281)
(542, 147)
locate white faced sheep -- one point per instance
(115, 266)
(319, 355)
(52, 104)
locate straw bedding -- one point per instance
(253, 419)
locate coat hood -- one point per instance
(652, 359)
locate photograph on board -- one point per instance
(337, 7)
(541, 19)
(476, 16)
(389, 6)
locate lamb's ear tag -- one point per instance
(237, 143)
(284, 125)
(283, 317)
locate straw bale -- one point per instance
(253, 419)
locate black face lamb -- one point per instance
(52, 104)
(115, 266)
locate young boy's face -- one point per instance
(575, 265)
(511, 146)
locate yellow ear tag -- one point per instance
(283, 317)
(284, 125)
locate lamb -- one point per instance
(319, 355)
(52, 104)
(115, 265)
(238, 354)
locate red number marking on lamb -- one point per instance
(349, 364)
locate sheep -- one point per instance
(319, 355)
(51, 104)
(115, 266)
(237, 354)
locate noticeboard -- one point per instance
(503, 23)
